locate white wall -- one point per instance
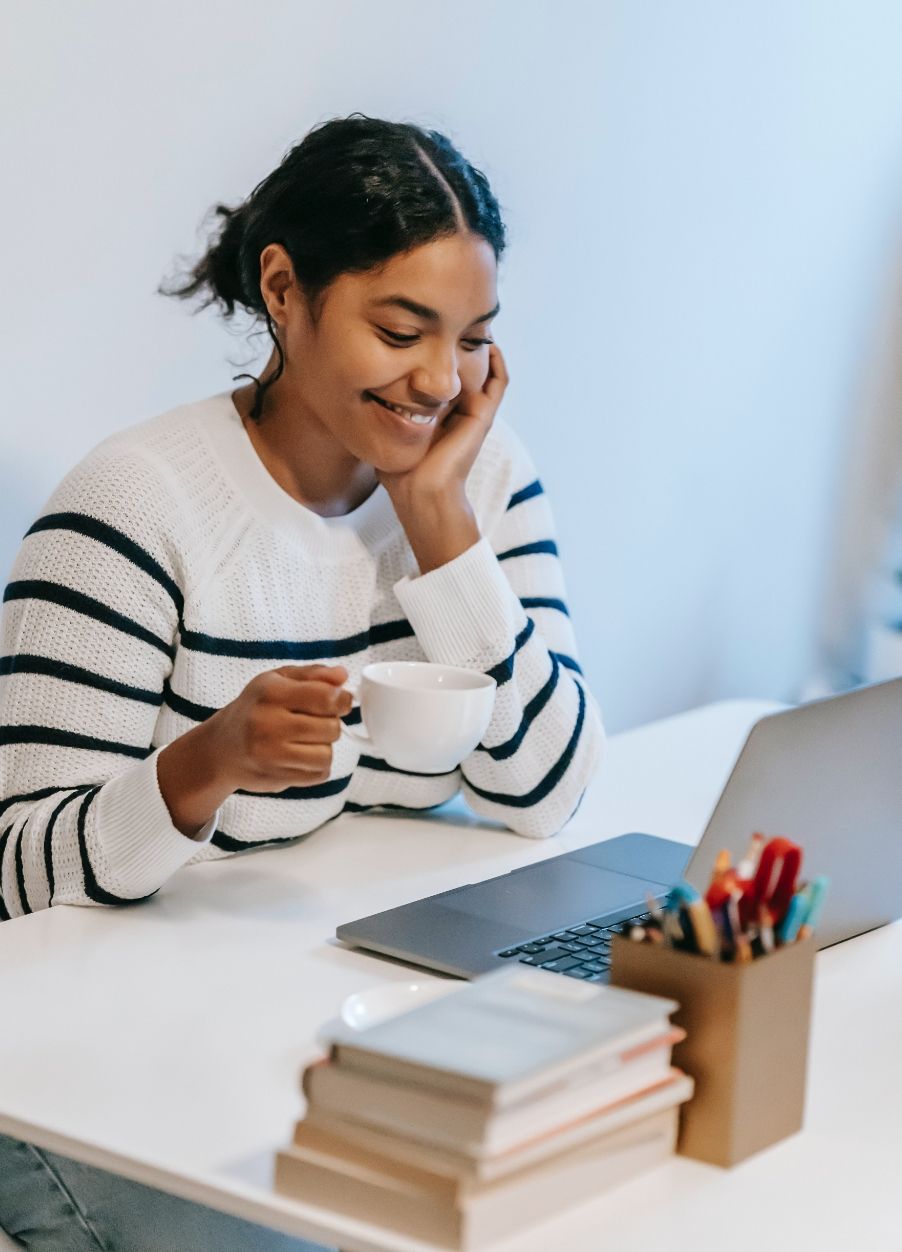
(704, 205)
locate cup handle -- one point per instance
(359, 735)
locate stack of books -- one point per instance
(469, 1117)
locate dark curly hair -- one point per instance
(353, 193)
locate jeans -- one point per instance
(52, 1204)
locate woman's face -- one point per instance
(413, 333)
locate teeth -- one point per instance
(418, 419)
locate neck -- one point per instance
(301, 454)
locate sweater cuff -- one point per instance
(135, 830)
(464, 612)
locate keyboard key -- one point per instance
(581, 930)
(562, 964)
(563, 934)
(530, 948)
(576, 973)
(509, 952)
(596, 941)
(598, 921)
(596, 967)
(557, 952)
(599, 977)
(531, 960)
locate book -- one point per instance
(506, 1035)
(674, 1089)
(466, 1213)
(475, 1126)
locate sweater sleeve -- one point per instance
(87, 637)
(500, 607)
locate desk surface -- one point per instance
(166, 1041)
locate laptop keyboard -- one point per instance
(582, 951)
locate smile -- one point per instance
(418, 419)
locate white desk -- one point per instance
(165, 1041)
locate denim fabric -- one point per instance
(52, 1204)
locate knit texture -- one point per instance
(169, 568)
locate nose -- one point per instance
(436, 379)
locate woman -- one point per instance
(183, 617)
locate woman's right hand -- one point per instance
(277, 733)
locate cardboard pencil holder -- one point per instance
(746, 1041)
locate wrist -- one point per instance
(439, 529)
(192, 778)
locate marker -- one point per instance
(749, 863)
(788, 930)
(817, 891)
(704, 932)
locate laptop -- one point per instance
(827, 774)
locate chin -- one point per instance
(397, 460)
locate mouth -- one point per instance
(414, 416)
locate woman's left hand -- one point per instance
(430, 499)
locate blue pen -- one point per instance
(817, 891)
(798, 909)
(681, 894)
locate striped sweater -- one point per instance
(169, 568)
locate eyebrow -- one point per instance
(423, 310)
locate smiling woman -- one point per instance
(184, 616)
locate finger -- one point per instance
(497, 363)
(307, 728)
(335, 674)
(321, 699)
(309, 758)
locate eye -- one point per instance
(404, 340)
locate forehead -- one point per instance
(456, 277)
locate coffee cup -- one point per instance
(422, 717)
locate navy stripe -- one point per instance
(69, 739)
(528, 549)
(27, 795)
(504, 670)
(318, 791)
(4, 911)
(544, 602)
(24, 663)
(93, 889)
(568, 662)
(352, 807)
(507, 749)
(82, 524)
(20, 873)
(187, 708)
(525, 493)
(228, 844)
(551, 779)
(297, 650)
(376, 763)
(55, 593)
(48, 836)
(200, 712)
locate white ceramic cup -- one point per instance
(422, 717)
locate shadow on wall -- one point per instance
(861, 635)
(20, 503)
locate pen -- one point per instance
(817, 891)
(704, 932)
(789, 928)
(749, 862)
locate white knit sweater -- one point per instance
(168, 568)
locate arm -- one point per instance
(501, 607)
(86, 644)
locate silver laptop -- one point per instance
(827, 775)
